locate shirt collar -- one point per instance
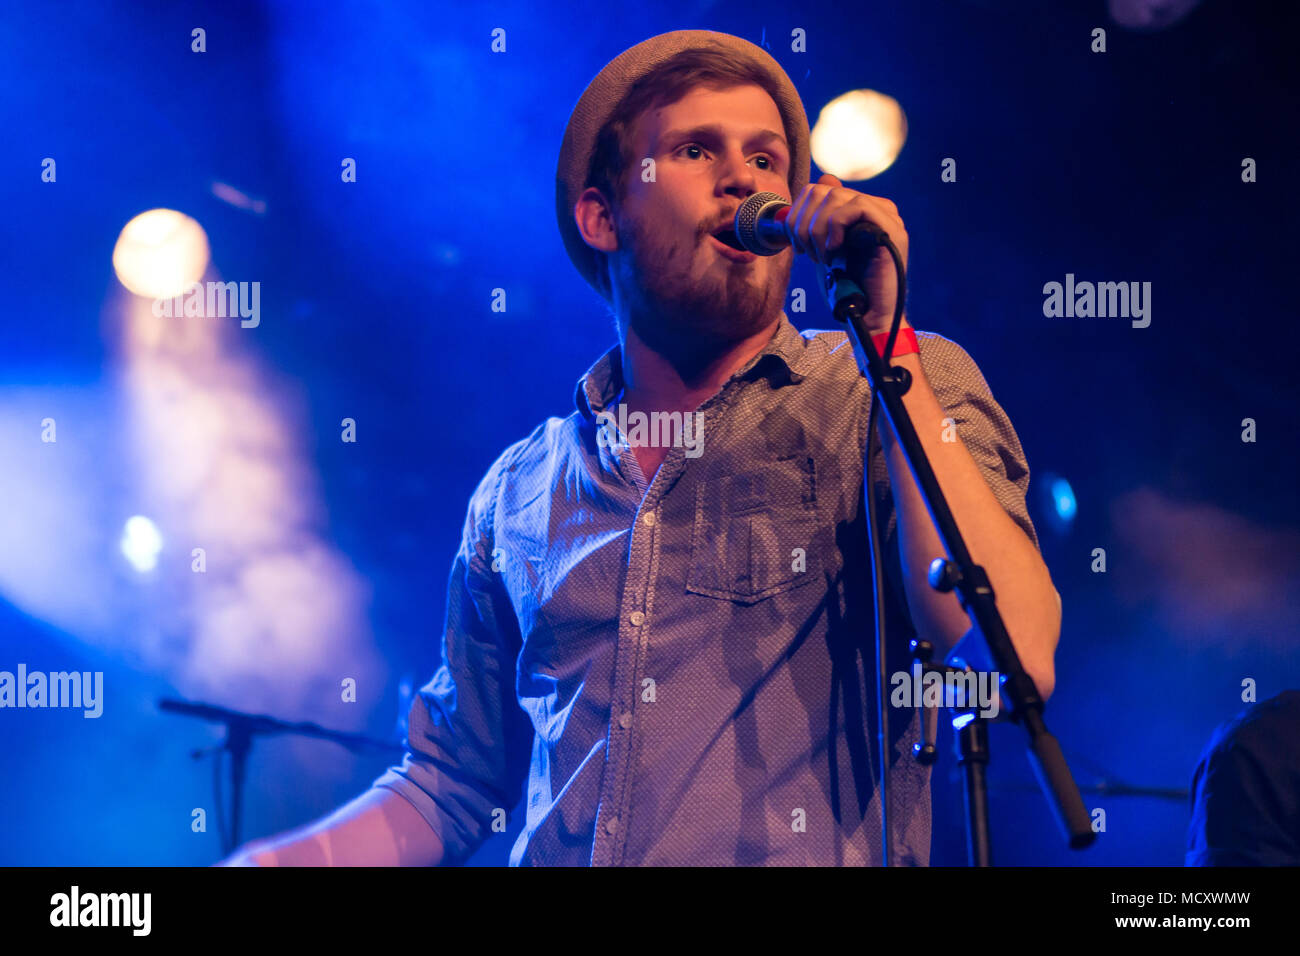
(780, 360)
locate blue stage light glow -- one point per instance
(1063, 497)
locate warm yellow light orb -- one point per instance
(159, 253)
(858, 135)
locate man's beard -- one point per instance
(671, 310)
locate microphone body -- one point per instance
(761, 228)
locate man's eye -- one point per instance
(769, 167)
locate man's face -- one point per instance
(712, 149)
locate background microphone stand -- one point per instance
(958, 572)
(241, 728)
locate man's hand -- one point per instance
(821, 216)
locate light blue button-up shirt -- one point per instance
(682, 671)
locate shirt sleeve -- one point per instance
(468, 740)
(981, 424)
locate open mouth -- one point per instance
(727, 236)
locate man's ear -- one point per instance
(595, 221)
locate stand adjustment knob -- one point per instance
(944, 575)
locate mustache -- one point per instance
(729, 222)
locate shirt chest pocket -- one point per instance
(753, 532)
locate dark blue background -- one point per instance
(376, 304)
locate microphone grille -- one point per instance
(747, 217)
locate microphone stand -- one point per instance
(241, 727)
(957, 572)
(972, 739)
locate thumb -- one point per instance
(828, 180)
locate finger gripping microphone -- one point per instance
(761, 229)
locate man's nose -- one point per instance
(737, 177)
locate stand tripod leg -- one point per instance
(973, 758)
(238, 743)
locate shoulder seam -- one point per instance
(506, 461)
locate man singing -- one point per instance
(667, 637)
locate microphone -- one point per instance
(761, 229)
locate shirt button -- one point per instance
(625, 721)
(637, 618)
(648, 519)
(611, 825)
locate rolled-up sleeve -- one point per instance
(981, 424)
(468, 740)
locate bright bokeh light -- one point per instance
(1063, 496)
(858, 134)
(141, 543)
(159, 253)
